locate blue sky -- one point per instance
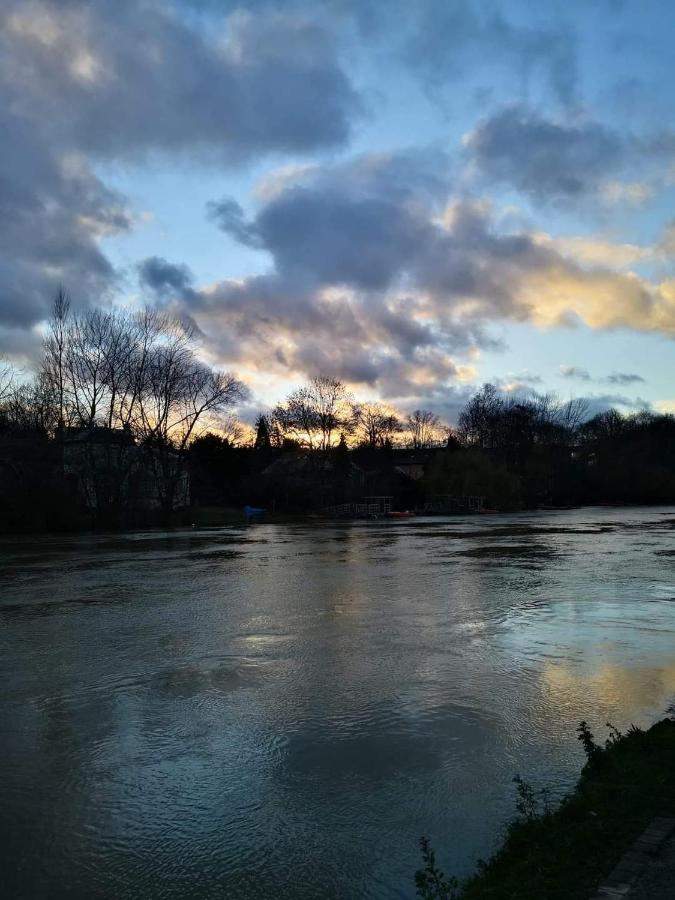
(414, 197)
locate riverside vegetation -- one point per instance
(563, 854)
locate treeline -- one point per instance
(514, 452)
(124, 425)
(540, 451)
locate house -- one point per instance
(306, 479)
(109, 469)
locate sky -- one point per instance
(413, 197)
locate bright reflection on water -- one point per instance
(281, 711)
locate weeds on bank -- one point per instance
(563, 853)
(594, 752)
(431, 882)
(531, 804)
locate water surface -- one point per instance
(281, 711)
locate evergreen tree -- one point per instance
(262, 434)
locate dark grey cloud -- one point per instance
(442, 42)
(85, 82)
(600, 403)
(359, 241)
(124, 79)
(618, 378)
(165, 278)
(361, 224)
(518, 148)
(472, 261)
(53, 211)
(229, 217)
(447, 39)
(575, 372)
(623, 378)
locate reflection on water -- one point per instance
(281, 711)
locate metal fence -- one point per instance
(443, 503)
(368, 507)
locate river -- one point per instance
(280, 711)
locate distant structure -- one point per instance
(106, 467)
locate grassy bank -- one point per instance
(564, 854)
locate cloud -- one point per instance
(162, 277)
(547, 159)
(595, 251)
(447, 39)
(53, 212)
(666, 245)
(564, 160)
(382, 268)
(255, 84)
(619, 378)
(443, 42)
(624, 378)
(378, 276)
(520, 383)
(229, 217)
(90, 82)
(600, 403)
(268, 325)
(361, 224)
(634, 193)
(575, 372)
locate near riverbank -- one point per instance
(565, 854)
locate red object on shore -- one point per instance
(403, 514)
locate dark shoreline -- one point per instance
(226, 517)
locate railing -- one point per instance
(360, 510)
(446, 503)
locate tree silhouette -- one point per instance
(262, 434)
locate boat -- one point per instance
(401, 514)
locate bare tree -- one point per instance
(30, 406)
(573, 413)
(317, 413)
(87, 367)
(231, 429)
(376, 424)
(479, 419)
(179, 395)
(7, 379)
(423, 428)
(54, 353)
(296, 419)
